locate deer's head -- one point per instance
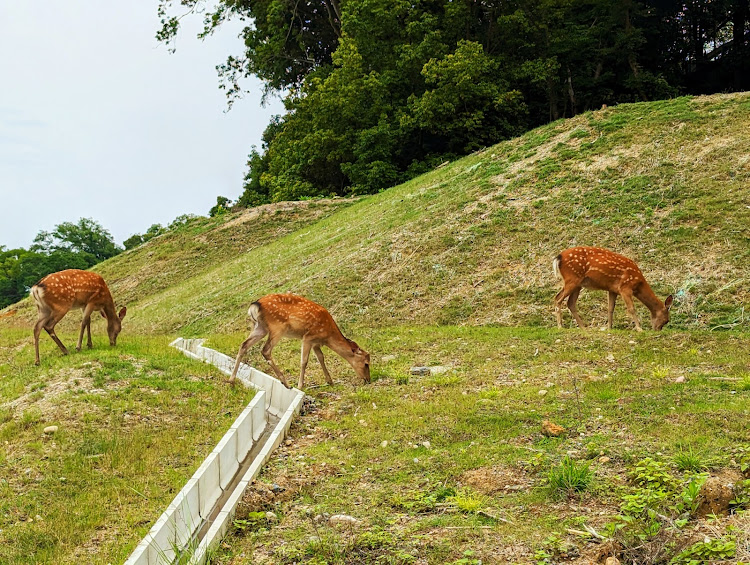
(660, 317)
(114, 325)
(360, 361)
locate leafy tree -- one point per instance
(222, 206)
(86, 237)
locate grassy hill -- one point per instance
(454, 269)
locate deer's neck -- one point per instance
(649, 298)
(339, 344)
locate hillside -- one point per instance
(451, 270)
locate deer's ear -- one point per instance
(122, 313)
(668, 301)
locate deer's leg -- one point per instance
(568, 289)
(49, 326)
(85, 322)
(266, 351)
(627, 298)
(255, 336)
(611, 314)
(305, 356)
(572, 299)
(37, 330)
(319, 354)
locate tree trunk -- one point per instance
(739, 18)
(572, 94)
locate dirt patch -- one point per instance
(717, 492)
(253, 213)
(492, 480)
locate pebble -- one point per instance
(271, 517)
(439, 369)
(416, 459)
(384, 443)
(611, 358)
(604, 459)
(426, 444)
(344, 519)
(542, 392)
(363, 423)
(421, 371)
(680, 379)
(50, 429)
(388, 358)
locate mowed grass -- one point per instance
(134, 422)
(479, 489)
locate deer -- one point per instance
(292, 316)
(600, 269)
(57, 293)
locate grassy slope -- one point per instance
(667, 183)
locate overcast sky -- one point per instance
(98, 120)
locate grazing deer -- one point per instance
(57, 293)
(289, 315)
(600, 269)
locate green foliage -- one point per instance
(222, 206)
(706, 552)
(376, 92)
(569, 478)
(87, 238)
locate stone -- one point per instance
(426, 444)
(611, 358)
(604, 459)
(276, 489)
(542, 392)
(384, 443)
(342, 520)
(612, 561)
(680, 379)
(439, 369)
(550, 429)
(272, 517)
(387, 358)
(420, 371)
(50, 429)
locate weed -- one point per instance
(569, 477)
(706, 551)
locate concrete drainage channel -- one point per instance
(200, 514)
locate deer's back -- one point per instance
(72, 288)
(295, 316)
(599, 268)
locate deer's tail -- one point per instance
(556, 266)
(254, 312)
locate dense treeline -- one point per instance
(376, 92)
(69, 246)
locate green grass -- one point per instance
(134, 422)
(454, 269)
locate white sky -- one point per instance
(98, 120)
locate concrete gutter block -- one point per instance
(209, 486)
(231, 504)
(244, 429)
(187, 517)
(161, 541)
(260, 418)
(228, 462)
(277, 396)
(217, 530)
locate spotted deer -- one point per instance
(288, 315)
(601, 269)
(57, 293)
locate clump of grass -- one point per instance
(569, 478)
(689, 460)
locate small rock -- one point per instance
(612, 561)
(322, 517)
(342, 519)
(611, 358)
(271, 517)
(50, 429)
(387, 358)
(680, 379)
(542, 392)
(288, 442)
(550, 384)
(416, 459)
(550, 429)
(631, 342)
(384, 443)
(420, 371)
(426, 444)
(439, 369)
(363, 423)
(276, 489)
(38, 518)
(604, 459)
(558, 341)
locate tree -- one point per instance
(86, 237)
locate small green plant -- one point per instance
(688, 460)
(652, 474)
(467, 501)
(706, 551)
(401, 379)
(569, 477)
(467, 559)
